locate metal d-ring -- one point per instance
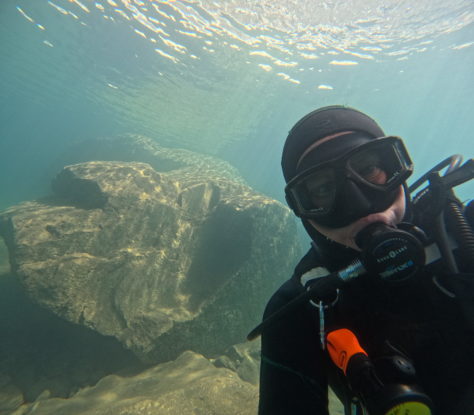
(333, 303)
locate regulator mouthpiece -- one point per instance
(395, 255)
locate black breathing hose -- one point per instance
(463, 233)
(455, 174)
(443, 244)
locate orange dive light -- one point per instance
(342, 345)
(379, 394)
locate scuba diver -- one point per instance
(381, 308)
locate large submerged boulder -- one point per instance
(189, 385)
(164, 261)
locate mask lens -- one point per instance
(380, 164)
(368, 166)
(317, 191)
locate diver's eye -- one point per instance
(368, 165)
(321, 188)
(374, 174)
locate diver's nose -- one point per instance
(356, 204)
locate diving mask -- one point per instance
(362, 181)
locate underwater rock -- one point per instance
(162, 261)
(4, 261)
(244, 359)
(41, 352)
(136, 147)
(189, 385)
(10, 396)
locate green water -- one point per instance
(226, 78)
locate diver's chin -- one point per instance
(362, 223)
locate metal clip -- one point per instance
(321, 307)
(322, 331)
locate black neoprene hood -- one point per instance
(319, 124)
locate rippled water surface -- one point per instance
(227, 78)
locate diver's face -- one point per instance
(346, 235)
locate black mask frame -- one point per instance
(298, 201)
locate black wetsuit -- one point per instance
(426, 325)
